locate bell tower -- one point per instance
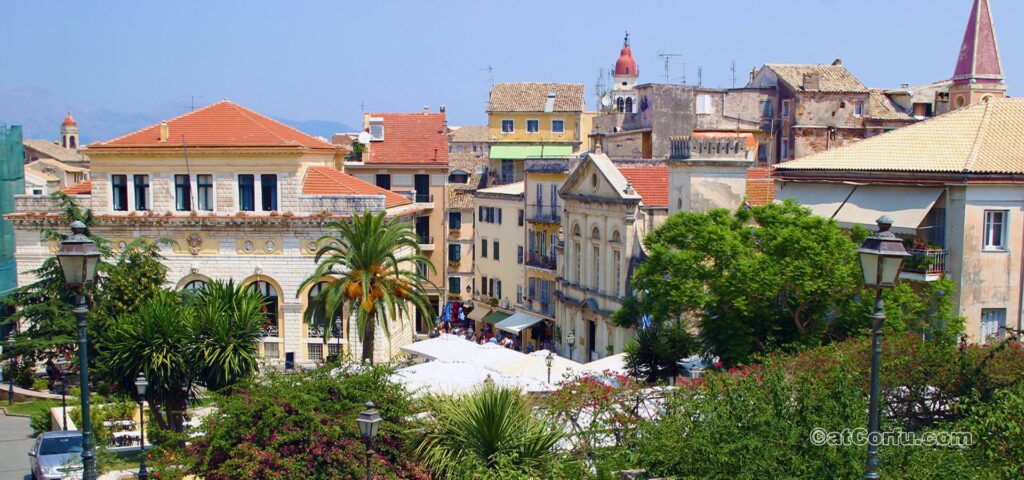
(979, 70)
(69, 133)
(625, 75)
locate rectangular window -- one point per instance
(334, 349)
(182, 193)
(704, 104)
(498, 210)
(785, 109)
(554, 201)
(204, 187)
(531, 290)
(558, 126)
(454, 285)
(315, 351)
(421, 268)
(578, 251)
(508, 126)
(268, 187)
(454, 252)
(762, 153)
(596, 281)
(454, 220)
(766, 108)
(483, 248)
(858, 109)
(496, 254)
(993, 323)
(480, 214)
(784, 150)
(483, 285)
(617, 266)
(119, 192)
(995, 229)
(519, 294)
(382, 180)
(490, 287)
(520, 218)
(497, 289)
(532, 126)
(141, 192)
(271, 350)
(519, 254)
(246, 193)
(376, 130)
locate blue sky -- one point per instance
(321, 60)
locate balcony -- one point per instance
(536, 260)
(271, 330)
(543, 214)
(426, 242)
(925, 264)
(424, 200)
(538, 306)
(317, 331)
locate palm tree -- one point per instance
(487, 431)
(181, 341)
(374, 259)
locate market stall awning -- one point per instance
(520, 152)
(518, 322)
(495, 317)
(824, 199)
(906, 206)
(478, 313)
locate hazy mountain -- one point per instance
(40, 113)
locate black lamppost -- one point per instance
(881, 259)
(571, 338)
(548, 360)
(78, 257)
(369, 422)
(13, 363)
(140, 387)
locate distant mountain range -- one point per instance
(40, 114)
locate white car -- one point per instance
(57, 455)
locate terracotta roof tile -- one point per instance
(55, 151)
(411, 138)
(881, 107)
(531, 97)
(651, 183)
(834, 78)
(469, 134)
(80, 188)
(987, 137)
(328, 181)
(221, 124)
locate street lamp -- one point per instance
(571, 338)
(140, 387)
(78, 257)
(548, 360)
(13, 363)
(881, 259)
(369, 422)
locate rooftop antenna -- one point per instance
(684, 73)
(667, 58)
(490, 73)
(732, 68)
(599, 86)
(192, 102)
(700, 74)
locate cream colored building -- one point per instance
(954, 186)
(498, 253)
(249, 204)
(608, 209)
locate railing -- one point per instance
(270, 330)
(544, 213)
(926, 260)
(425, 239)
(422, 198)
(543, 308)
(541, 261)
(317, 331)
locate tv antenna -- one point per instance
(490, 73)
(667, 58)
(700, 75)
(732, 68)
(599, 86)
(192, 102)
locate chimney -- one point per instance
(753, 73)
(442, 109)
(838, 62)
(426, 109)
(165, 131)
(812, 81)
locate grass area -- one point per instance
(121, 461)
(31, 407)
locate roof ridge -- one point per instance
(157, 124)
(285, 125)
(246, 112)
(976, 144)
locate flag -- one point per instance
(645, 321)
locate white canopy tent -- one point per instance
(614, 363)
(443, 347)
(518, 322)
(534, 366)
(451, 377)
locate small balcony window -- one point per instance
(508, 126)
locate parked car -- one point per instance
(56, 455)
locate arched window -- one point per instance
(595, 234)
(316, 327)
(271, 306)
(72, 142)
(629, 105)
(458, 176)
(195, 285)
(616, 237)
(576, 230)
(620, 105)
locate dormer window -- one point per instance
(376, 129)
(458, 176)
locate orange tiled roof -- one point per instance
(411, 138)
(80, 188)
(219, 125)
(328, 181)
(651, 183)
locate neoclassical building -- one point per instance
(608, 210)
(244, 197)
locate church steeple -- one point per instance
(979, 70)
(625, 76)
(69, 133)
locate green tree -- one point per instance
(206, 340)
(374, 258)
(490, 433)
(654, 353)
